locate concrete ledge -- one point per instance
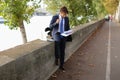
(35, 60)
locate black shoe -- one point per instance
(61, 68)
(56, 62)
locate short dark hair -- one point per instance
(64, 9)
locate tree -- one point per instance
(85, 9)
(100, 9)
(110, 5)
(17, 11)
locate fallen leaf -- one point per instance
(54, 76)
(91, 65)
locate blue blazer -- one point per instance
(55, 27)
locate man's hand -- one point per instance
(57, 21)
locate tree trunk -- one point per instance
(117, 15)
(23, 32)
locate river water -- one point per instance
(34, 30)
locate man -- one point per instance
(59, 24)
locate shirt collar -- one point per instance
(60, 17)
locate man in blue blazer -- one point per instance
(59, 24)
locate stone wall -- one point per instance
(35, 60)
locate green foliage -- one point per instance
(111, 5)
(101, 11)
(16, 11)
(88, 9)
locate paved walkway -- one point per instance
(97, 59)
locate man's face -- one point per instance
(63, 14)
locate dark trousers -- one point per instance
(60, 50)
